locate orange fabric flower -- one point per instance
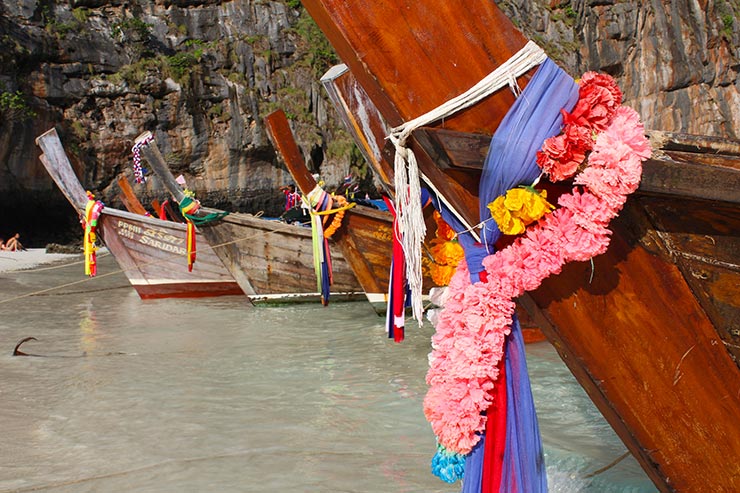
(446, 253)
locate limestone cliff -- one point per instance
(677, 61)
(200, 74)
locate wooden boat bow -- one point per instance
(365, 235)
(651, 337)
(269, 259)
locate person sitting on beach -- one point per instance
(13, 245)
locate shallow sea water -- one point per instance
(211, 395)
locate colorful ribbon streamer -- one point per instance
(92, 213)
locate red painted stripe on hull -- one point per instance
(188, 290)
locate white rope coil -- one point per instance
(407, 175)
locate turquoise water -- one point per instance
(199, 395)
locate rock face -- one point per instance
(200, 74)
(677, 62)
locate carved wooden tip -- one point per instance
(143, 136)
(334, 72)
(657, 138)
(278, 113)
(51, 131)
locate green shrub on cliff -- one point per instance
(135, 73)
(13, 106)
(320, 54)
(183, 62)
(132, 26)
(180, 63)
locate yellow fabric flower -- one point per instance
(446, 252)
(518, 208)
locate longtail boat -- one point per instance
(650, 327)
(269, 259)
(151, 252)
(364, 235)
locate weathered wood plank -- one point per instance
(701, 144)
(60, 169)
(692, 176)
(669, 172)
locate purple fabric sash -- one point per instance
(511, 161)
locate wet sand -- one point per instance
(32, 257)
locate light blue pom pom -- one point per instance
(448, 466)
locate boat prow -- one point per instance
(149, 251)
(650, 330)
(269, 259)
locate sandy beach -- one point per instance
(32, 257)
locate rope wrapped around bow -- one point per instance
(408, 178)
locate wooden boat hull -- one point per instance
(268, 259)
(652, 336)
(644, 347)
(151, 252)
(273, 257)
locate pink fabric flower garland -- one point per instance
(476, 318)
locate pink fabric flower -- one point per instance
(559, 158)
(614, 171)
(589, 212)
(476, 318)
(627, 128)
(549, 258)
